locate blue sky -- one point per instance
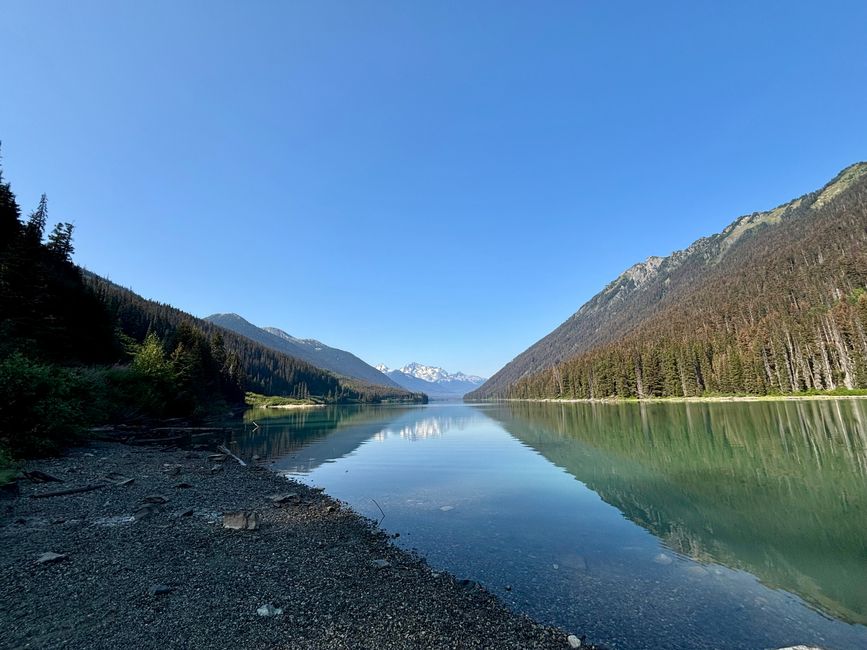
(443, 182)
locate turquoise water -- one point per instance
(737, 525)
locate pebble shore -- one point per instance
(199, 552)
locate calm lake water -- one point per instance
(731, 525)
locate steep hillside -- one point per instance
(265, 370)
(773, 303)
(313, 352)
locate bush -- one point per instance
(41, 405)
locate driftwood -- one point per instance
(226, 451)
(60, 493)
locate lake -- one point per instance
(676, 525)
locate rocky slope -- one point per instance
(759, 278)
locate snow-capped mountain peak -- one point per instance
(433, 374)
(433, 380)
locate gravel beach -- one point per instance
(151, 563)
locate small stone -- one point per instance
(50, 557)
(574, 641)
(280, 499)
(269, 611)
(216, 468)
(381, 563)
(145, 511)
(184, 513)
(241, 521)
(256, 457)
(155, 498)
(160, 590)
(508, 587)
(330, 509)
(183, 486)
(447, 508)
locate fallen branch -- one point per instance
(380, 509)
(224, 449)
(60, 493)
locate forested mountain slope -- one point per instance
(265, 370)
(313, 352)
(774, 303)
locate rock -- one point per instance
(183, 486)
(508, 587)
(573, 641)
(380, 563)
(447, 508)
(160, 590)
(218, 458)
(242, 520)
(216, 468)
(145, 511)
(172, 471)
(280, 499)
(663, 559)
(330, 508)
(51, 557)
(118, 520)
(119, 479)
(256, 457)
(184, 513)
(269, 611)
(155, 498)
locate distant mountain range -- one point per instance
(775, 303)
(314, 352)
(432, 380)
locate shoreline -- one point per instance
(291, 406)
(710, 399)
(150, 561)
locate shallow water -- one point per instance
(735, 525)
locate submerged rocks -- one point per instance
(51, 557)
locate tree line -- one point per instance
(785, 311)
(77, 350)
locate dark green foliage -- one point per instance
(774, 304)
(264, 371)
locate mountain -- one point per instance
(265, 370)
(432, 380)
(775, 303)
(313, 352)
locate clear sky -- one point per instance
(439, 181)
